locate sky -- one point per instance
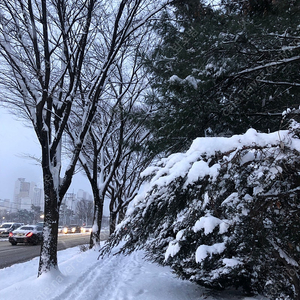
(116, 277)
(18, 143)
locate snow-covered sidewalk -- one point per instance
(83, 277)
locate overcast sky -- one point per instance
(17, 143)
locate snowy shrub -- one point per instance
(223, 214)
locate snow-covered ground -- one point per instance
(82, 276)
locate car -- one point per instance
(71, 229)
(86, 229)
(31, 234)
(65, 229)
(60, 229)
(6, 228)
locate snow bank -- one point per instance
(82, 277)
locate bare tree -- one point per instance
(127, 180)
(113, 133)
(44, 45)
(84, 210)
(51, 74)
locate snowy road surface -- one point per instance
(10, 255)
(82, 277)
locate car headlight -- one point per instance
(65, 230)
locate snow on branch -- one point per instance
(204, 251)
(288, 260)
(268, 65)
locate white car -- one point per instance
(6, 228)
(31, 234)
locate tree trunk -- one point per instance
(48, 256)
(97, 220)
(112, 221)
(121, 215)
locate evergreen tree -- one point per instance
(224, 213)
(221, 71)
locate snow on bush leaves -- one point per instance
(225, 213)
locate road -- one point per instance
(10, 255)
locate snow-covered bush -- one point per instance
(224, 213)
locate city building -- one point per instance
(5, 204)
(70, 200)
(26, 194)
(25, 203)
(83, 195)
(5, 207)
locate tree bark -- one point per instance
(121, 215)
(48, 256)
(112, 221)
(97, 219)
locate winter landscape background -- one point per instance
(184, 117)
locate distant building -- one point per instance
(5, 205)
(70, 201)
(38, 198)
(5, 208)
(26, 194)
(83, 195)
(25, 203)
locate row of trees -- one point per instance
(31, 216)
(81, 213)
(70, 68)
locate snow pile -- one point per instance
(190, 162)
(82, 277)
